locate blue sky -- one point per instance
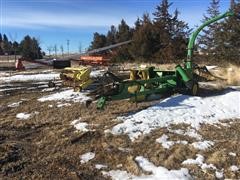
(55, 21)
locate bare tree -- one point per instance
(49, 49)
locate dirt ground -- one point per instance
(47, 146)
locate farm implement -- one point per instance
(149, 81)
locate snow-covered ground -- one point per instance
(81, 126)
(15, 104)
(87, 157)
(200, 162)
(67, 95)
(166, 143)
(181, 109)
(97, 73)
(202, 145)
(156, 172)
(23, 116)
(30, 77)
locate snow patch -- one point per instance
(219, 174)
(100, 166)
(97, 73)
(30, 77)
(68, 95)
(23, 116)
(48, 89)
(180, 109)
(63, 104)
(11, 89)
(167, 144)
(156, 172)
(118, 175)
(203, 145)
(87, 157)
(234, 168)
(16, 104)
(81, 126)
(189, 132)
(232, 154)
(200, 162)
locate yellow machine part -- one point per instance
(77, 77)
(78, 74)
(135, 74)
(82, 85)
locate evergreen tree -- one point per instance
(6, 45)
(229, 37)
(180, 33)
(137, 24)
(36, 48)
(99, 40)
(172, 33)
(15, 46)
(30, 48)
(111, 35)
(1, 45)
(124, 32)
(208, 39)
(164, 38)
(144, 42)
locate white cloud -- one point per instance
(59, 19)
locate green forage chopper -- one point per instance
(147, 81)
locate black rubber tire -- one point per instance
(194, 90)
(51, 84)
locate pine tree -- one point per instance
(111, 35)
(124, 32)
(30, 48)
(137, 24)
(1, 45)
(15, 46)
(99, 40)
(229, 37)
(172, 33)
(208, 39)
(144, 41)
(6, 45)
(180, 33)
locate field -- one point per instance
(49, 133)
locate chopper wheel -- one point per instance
(194, 89)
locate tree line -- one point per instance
(164, 37)
(28, 48)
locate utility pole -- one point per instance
(80, 48)
(68, 42)
(62, 50)
(55, 49)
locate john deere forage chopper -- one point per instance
(144, 82)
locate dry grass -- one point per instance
(47, 146)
